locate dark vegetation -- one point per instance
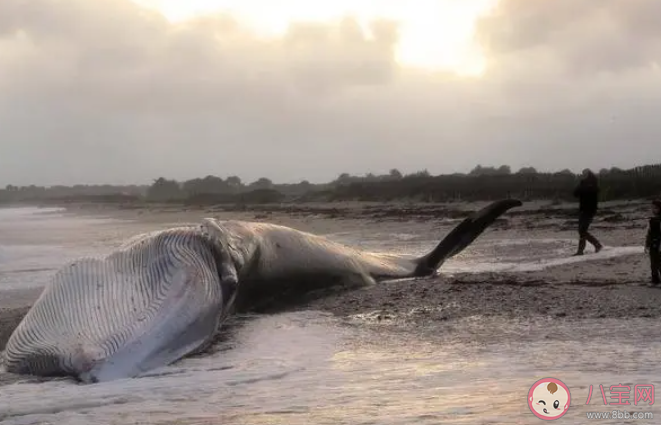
(481, 184)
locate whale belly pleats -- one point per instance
(143, 306)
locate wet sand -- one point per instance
(593, 289)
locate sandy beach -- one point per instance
(590, 288)
(513, 307)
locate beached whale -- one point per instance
(163, 295)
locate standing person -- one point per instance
(587, 193)
(653, 242)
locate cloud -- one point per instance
(581, 36)
(106, 91)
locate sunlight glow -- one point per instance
(435, 35)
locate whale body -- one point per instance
(163, 295)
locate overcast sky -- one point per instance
(104, 91)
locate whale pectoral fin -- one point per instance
(463, 235)
(229, 288)
(229, 279)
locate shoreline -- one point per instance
(350, 209)
(600, 288)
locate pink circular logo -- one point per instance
(549, 399)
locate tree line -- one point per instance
(480, 184)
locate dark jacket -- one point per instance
(653, 238)
(587, 193)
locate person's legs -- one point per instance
(584, 221)
(594, 241)
(581, 246)
(581, 239)
(655, 265)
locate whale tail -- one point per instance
(462, 236)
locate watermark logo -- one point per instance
(549, 399)
(643, 394)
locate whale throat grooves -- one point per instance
(151, 302)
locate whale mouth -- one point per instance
(546, 411)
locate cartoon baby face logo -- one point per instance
(549, 399)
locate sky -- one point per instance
(122, 91)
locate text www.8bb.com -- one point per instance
(620, 414)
